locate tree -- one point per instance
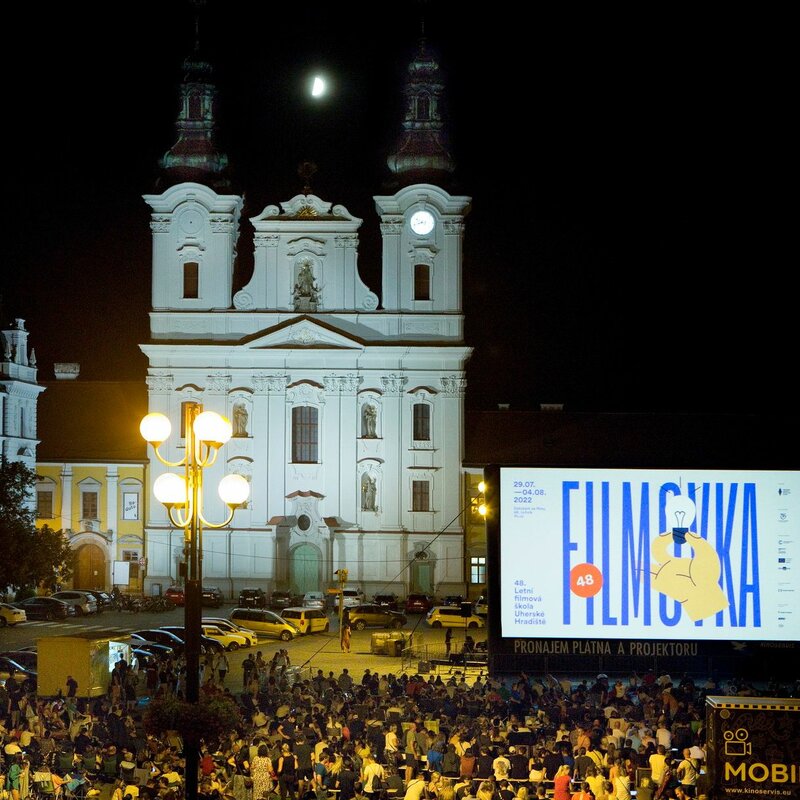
(209, 720)
(31, 557)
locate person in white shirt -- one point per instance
(415, 786)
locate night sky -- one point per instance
(618, 252)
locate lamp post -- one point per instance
(205, 432)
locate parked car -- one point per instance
(230, 640)
(314, 600)
(161, 636)
(419, 603)
(251, 597)
(264, 623)
(11, 615)
(206, 642)
(212, 596)
(389, 601)
(153, 648)
(307, 620)
(175, 594)
(83, 602)
(282, 599)
(47, 608)
(13, 670)
(351, 597)
(104, 599)
(453, 600)
(481, 606)
(450, 617)
(227, 625)
(375, 616)
(27, 658)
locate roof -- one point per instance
(565, 439)
(91, 421)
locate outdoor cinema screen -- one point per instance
(645, 554)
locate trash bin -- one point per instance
(379, 641)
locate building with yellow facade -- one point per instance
(91, 469)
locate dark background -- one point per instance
(621, 250)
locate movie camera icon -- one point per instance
(736, 743)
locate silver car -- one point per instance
(83, 602)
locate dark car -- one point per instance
(282, 599)
(104, 599)
(212, 596)
(161, 636)
(152, 648)
(389, 601)
(251, 597)
(47, 608)
(419, 603)
(206, 642)
(453, 600)
(13, 670)
(27, 658)
(375, 616)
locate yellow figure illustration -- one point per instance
(693, 582)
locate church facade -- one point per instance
(347, 403)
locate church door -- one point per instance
(305, 569)
(422, 577)
(90, 568)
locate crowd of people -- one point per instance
(368, 737)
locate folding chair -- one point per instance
(43, 786)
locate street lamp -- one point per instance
(182, 495)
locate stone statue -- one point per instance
(306, 292)
(369, 418)
(239, 419)
(368, 492)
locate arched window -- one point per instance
(305, 435)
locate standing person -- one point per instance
(261, 771)
(14, 776)
(304, 751)
(448, 642)
(561, 783)
(222, 665)
(687, 773)
(287, 773)
(72, 686)
(345, 637)
(372, 777)
(248, 665)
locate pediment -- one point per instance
(304, 332)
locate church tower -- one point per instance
(347, 405)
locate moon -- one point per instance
(318, 87)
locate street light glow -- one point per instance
(155, 428)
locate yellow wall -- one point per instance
(127, 534)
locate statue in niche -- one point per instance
(368, 493)
(369, 421)
(306, 291)
(240, 420)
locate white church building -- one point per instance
(347, 401)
